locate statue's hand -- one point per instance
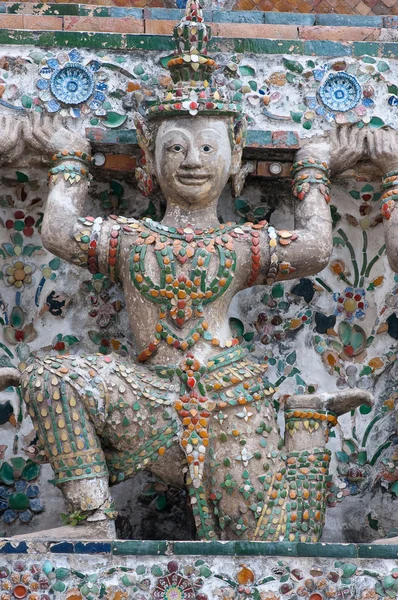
(11, 139)
(347, 146)
(318, 148)
(48, 135)
(383, 150)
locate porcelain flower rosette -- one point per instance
(66, 81)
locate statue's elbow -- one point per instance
(391, 239)
(392, 256)
(50, 237)
(323, 254)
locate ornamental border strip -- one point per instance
(213, 548)
(148, 42)
(256, 138)
(214, 16)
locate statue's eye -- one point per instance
(206, 148)
(177, 148)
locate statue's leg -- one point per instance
(263, 490)
(67, 417)
(244, 456)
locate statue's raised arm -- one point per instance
(66, 231)
(383, 150)
(311, 248)
(11, 139)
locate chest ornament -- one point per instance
(182, 294)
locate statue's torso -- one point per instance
(179, 284)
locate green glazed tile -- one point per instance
(14, 9)
(327, 48)
(377, 551)
(220, 44)
(389, 50)
(120, 136)
(70, 10)
(140, 548)
(149, 42)
(78, 39)
(262, 138)
(263, 46)
(265, 549)
(366, 48)
(34, 38)
(330, 550)
(95, 11)
(213, 548)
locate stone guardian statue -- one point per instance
(192, 408)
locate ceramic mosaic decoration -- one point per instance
(193, 408)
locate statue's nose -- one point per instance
(192, 159)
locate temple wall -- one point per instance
(334, 330)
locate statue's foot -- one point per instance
(97, 530)
(338, 403)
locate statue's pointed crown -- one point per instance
(193, 89)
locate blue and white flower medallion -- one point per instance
(66, 84)
(72, 84)
(340, 92)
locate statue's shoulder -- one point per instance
(247, 230)
(128, 225)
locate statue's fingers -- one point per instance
(344, 137)
(392, 142)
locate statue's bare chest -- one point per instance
(182, 270)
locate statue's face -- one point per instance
(193, 159)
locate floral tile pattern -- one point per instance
(54, 577)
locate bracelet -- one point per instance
(317, 415)
(301, 185)
(72, 155)
(388, 182)
(391, 174)
(310, 163)
(285, 268)
(71, 173)
(273, 269)
(388, 203)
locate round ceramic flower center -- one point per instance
(72, 84)
(19, 274)
(340, 92)
(174, 594)
(350, 305)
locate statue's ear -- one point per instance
(238, 143)
(239, 172)
(236, 160)
(144, 171)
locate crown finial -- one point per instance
(191, 36)
(193, 89)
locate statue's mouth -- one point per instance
(192, 178)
